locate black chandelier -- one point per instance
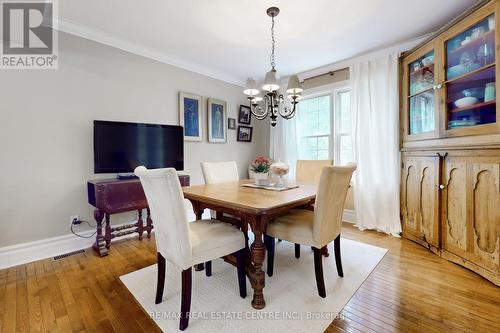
(273, 100)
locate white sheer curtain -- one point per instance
(284, 143)
(374, 107)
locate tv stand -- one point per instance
(114, 196)
(126, 176)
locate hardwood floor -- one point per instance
(411, 290)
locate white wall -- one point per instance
(46, 138)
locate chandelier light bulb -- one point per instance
(294, 87)
(251, 88)
(271, 81)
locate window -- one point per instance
(324, 126)
(343, 139)
(314, 128)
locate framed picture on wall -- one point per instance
(190, 116)
(217, 120)
(245, 133)
(244, 116)
(231, 123)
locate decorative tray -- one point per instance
(271, 188)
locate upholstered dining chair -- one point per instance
(309, 171)
(219, 172)
(185, 244)
(319, 227)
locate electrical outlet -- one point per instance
(74, 219)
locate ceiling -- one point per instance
(230, 40)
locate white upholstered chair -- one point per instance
(186, 244)
(219, 172)
(319, 227)
(309, 171)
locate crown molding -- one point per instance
(141, 50)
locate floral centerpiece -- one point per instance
(260, 166)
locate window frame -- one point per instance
(317, 94)
(334, 137)
(337, 123)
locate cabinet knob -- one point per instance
(439, 86)
(442, 187)
(434, 87)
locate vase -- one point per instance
(261, 179)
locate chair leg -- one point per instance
(297, 250)
(338, 260)
(186, 298)
(208, 268)
(242, 278)
(318, 270)
(270, 256)
(162, 263)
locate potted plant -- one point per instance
(260, 167)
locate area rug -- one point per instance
(292, 301)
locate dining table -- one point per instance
(254, 208)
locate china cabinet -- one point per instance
(450, 142)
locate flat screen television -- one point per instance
(120, 147)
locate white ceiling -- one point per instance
(230, 39)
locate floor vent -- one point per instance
(69, 254)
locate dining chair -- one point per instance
(222, 172)
(186, 244)
(319, 227)
(219, 172)
(308, 171)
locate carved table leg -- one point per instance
(107, 230)
(100, 244)
(140, 224)
(149, 223)
(257, 254)
(198, 211)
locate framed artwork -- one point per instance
(231, 123)
(190, 116)
(245, 116)
(217, 120)
(245, 133)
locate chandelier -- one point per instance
(273, 100)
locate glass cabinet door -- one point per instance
(421, 95)
(470, 76)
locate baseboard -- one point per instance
(349, 216)
(50, 247)
(45, 248)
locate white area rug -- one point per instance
(292, 301)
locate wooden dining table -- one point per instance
(253, 207)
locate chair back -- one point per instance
(220, 172)
(329, 205)
(310, 170)
(166, 202)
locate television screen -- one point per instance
(120, 147)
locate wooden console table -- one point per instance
(113, 196)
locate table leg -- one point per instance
(100, 244)
(257, 255)
(198, 211)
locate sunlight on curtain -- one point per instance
(374, 105)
